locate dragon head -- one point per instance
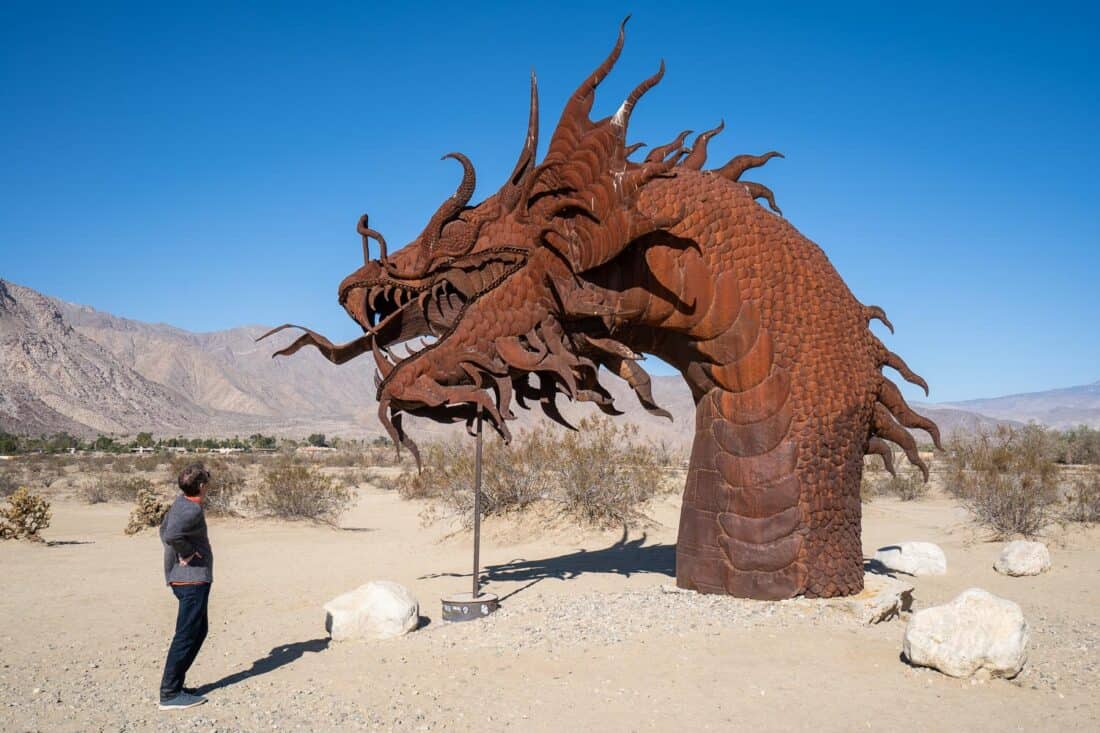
(496, 292)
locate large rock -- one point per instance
(882, 598)
(914, 558)
(1023, 558)
(380, 609)
(975, 633)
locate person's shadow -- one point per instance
(277, 657)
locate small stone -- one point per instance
(381, 609)
(882, 598)
(1023, 558)
(977, 632)
(913, 558)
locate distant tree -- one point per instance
(259, 440)
(144, 440)
(61, 443)
(9, 444)
(317, 440)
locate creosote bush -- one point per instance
(127, 489)
(24, 517)
(95, 492)
(1083, 502)
(148, 512)
(1007, 479)
(601, 475)
(291, 491)
(224, 490)
(8, 485)
(908, 485)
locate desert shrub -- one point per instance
(604, 473)
(907, 486)
(120, 488)
(8, 485)
(512, 477)
(601, 475)
(148, 511)
(24, 517)
(291, 491)
(1083, 502)
(1078, 445)
(95, 492)
(224, 490)
(43, 471)
(868, 488)
(1007, 479)
(148, 462)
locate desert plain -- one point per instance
(590, 636)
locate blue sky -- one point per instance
(205, 166)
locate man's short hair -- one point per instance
(192, 478)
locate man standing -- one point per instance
(189, 571)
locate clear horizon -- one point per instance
(205, 168)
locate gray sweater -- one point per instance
(183, 532)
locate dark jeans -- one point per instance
(191, 627)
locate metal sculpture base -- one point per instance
(464, 607)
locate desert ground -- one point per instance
(589, 636)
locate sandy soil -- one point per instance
(586, 639)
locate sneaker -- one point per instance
(182, 701)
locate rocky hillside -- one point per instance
(1059, 408)
(54, 378)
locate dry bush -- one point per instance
(148, 462)
(95, 492)
(512, 477)
(868, 488)
(148, 511)
(8, 485)
(290, 491)
(908, 485)
(224, 490)
(1083, 503)
(601, 475)
(24, 517)
(1007, 479)
(1078, 445)
(605, 474)
(43, 470)
(118, 488)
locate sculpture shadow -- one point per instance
(279, 656)
(876, 567)
(625, 557)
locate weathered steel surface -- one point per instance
(589, 259)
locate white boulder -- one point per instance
(1023, 558)
(914, 558)
(882, 599)
(977, 633)
(380, 609)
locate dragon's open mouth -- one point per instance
(397, 310)
(392, 310)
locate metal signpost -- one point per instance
(473, 605)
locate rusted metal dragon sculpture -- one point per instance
(589, 259)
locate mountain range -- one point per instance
(70, 367)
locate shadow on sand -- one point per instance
(625, 557)
(280, 656)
